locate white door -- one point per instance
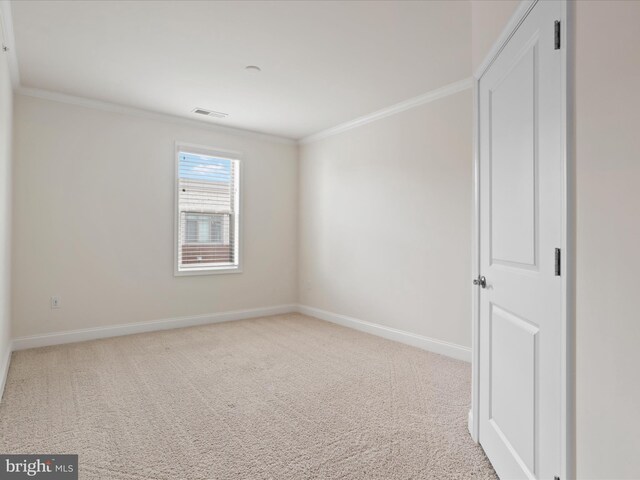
(521, 205)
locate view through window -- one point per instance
(207, 212)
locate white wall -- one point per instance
(385, 219)
(5, 210)
(607, 100)
(607, 158)
(94, 218)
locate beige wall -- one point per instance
(488, 19)
(385, 219)
(5, 208)
(607, 95)
(607, 143)
(94, 221)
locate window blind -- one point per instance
(207, 212)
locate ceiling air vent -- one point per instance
(210, 113)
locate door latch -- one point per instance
(480, 281)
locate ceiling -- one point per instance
(323, 63)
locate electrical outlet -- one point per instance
(56, 302)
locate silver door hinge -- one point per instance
(558, 261)
(557, 35)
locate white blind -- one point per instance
(207, 212)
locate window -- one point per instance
(206, 228)
(207, 231)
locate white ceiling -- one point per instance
(323, 63)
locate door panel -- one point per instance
(513, 379)
(513, 163)
(521, 192)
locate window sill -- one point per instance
(206, 271)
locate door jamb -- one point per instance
(567, 416)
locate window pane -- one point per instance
(217, 229)
(191, 230)
(204, 230)
(207, 201)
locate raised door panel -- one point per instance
(512, 378)
(512, 104)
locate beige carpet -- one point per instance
(285, 397)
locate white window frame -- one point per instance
(238, 254)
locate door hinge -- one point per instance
(556, 35)
(558, 261)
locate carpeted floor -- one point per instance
(284, 397)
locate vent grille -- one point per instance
(210, 113)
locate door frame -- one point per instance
(567, 415)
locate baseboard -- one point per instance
(57, 338)
(4, 368)
(431, 344)
(71, 336)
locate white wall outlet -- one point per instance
(56, 302)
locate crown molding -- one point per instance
(10, 41)
(7, 24)
(445, 91)
(138, 112)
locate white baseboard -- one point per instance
(431, 344)
(4, 368)
(70, 336)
